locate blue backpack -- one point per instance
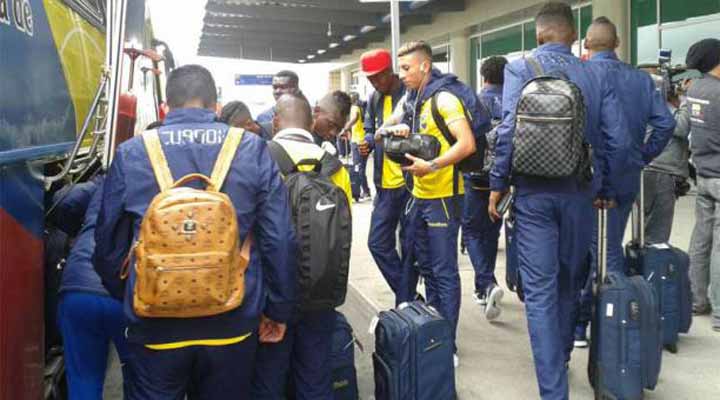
(480, 122)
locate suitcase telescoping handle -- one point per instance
(602, 246)
(638, 214)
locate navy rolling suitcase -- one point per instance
(413, 357)
(685, 299)
(343, 361)
(666, 268)
(626, 343)
(512, 270)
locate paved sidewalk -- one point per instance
(495, 358)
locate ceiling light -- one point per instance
(367, 28)
(348, 38)
(301, 61)
(334, 45)
(311, 56)
(322, 51)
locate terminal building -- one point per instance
(463, 39)
(462, 32)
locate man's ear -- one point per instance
(275, 124)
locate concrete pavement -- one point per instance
(495, 358)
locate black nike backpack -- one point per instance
(323, 226)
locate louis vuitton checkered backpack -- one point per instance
(549, 137)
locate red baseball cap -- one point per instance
(375, 61)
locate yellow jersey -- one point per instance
(439, 184)
(392, 174)
(358, 130)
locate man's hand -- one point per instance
(364, 149)
(604, 203)
(271, 331)
(401, 130)
(419, 167)
(495, 198)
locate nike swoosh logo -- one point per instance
(323, 207)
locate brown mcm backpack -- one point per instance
(189, 261)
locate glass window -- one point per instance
(679, 38)
(502, 42)
(681, 10)
(92, 10)
(644, 31)
(530, 36)
(586, 18)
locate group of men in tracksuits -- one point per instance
(553, 237)
(252, 351)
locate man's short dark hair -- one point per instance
(292, 77)
(493, 70)
(233, 110)
(343, 102)
(415, 46)
(293, 109)
(556, 13)
(189, 83)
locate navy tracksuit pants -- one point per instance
(358, 174)
(200, 372)
(434, 225)
(88, 323)
(302, 357)
(389, 212)
(480, 234)
(553, 236)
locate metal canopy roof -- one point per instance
(305, 30)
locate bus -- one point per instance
(76, 78)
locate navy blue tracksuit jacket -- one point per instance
(191, 140)
(552, 233)
(642, 107)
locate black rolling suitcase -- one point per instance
(626, 343)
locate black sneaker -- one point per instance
(703, 309)
(580, 336)
(494, 295)
(480, 297)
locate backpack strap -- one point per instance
(535, 66)
(442, 126)
(226, 156)
(330, 164)
(281, 158)
(157, 159)
(439, 120)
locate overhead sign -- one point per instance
(249, 80)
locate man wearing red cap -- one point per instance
(392, 196)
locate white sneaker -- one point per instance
(456, 360)
(494, 297)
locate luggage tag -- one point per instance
(661, 246)
(609, 310)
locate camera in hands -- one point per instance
(396, 146)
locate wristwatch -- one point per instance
(434, 166)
